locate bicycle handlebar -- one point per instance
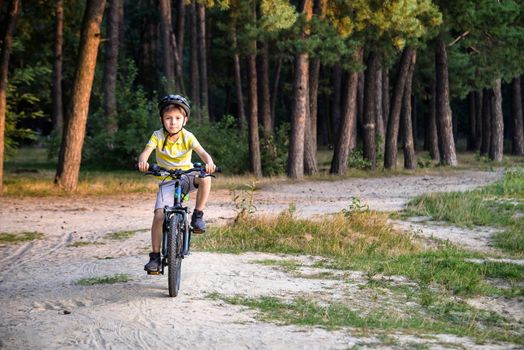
(155, 169)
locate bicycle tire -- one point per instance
(174, 255)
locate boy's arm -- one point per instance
(206, 158)
(143, 165)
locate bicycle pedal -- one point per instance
(153, 272)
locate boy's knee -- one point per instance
(206, 181)
(159, 215)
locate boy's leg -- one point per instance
(156, 230)
(156, 236)
(204, 188)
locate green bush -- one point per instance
(137, 119)
(225, 142)
(274, 150)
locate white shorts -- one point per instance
(166, 190)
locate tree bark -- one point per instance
(265, 103)
(111, 66)
(486, 122)
(300, 109)
(516, 116)
(299, 112)
(337, 104)
(390, 156)
(7, 44)
(472, 130)
(410, 161)
(238, 84)
(57, 114)
(310, 140)
(379, 120)
(348, 124)
(444, 122)
(195, 74)
(370, 109)
(201, 10)
(254, 143)
(478, 109)
(74, 133)
(166, 31)
(385, 98)
(180, 29)
(497, 131)
(432, 125)
(274, 90)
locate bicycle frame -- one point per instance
(169, 211)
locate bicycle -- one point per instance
(176, 230)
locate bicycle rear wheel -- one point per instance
(174, 254)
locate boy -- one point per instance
(173, 146)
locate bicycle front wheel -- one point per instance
(174, 254)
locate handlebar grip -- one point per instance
(218, 169)
(153, 167)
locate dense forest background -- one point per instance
(269, 81)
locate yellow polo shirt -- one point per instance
(175, 155)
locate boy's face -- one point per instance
(174, 120)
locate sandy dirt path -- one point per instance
(43, 308)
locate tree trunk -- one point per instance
(497, 126)
(300, 109)
(254, 143)
(379, 116)
(472, 130)
(148, 52)
(7, 44)
(410, 161)
(201, 9)
(180, 29)
(486, 122)
(310, 140)
(274, 92)
(166, 31)
(299, 116)
(111, 66)
(265, 104)
(71, 148)
(337, 104)
(432, 125)
(347, 125)
(57, 114)
(360, 99)
(390, 156)
(516, 116)
(195, 74)
(238, 84)
(370, 109)
(385, 98)
(478, 109)
(444, 122)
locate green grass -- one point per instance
(77, 244)
(364, 241)
(341, 235)
(29, 173)
(14, 238)
(443, 317)
(122, 235)
(497, 205)
(118, 278)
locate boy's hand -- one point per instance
(143, 166)
(210, 168)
